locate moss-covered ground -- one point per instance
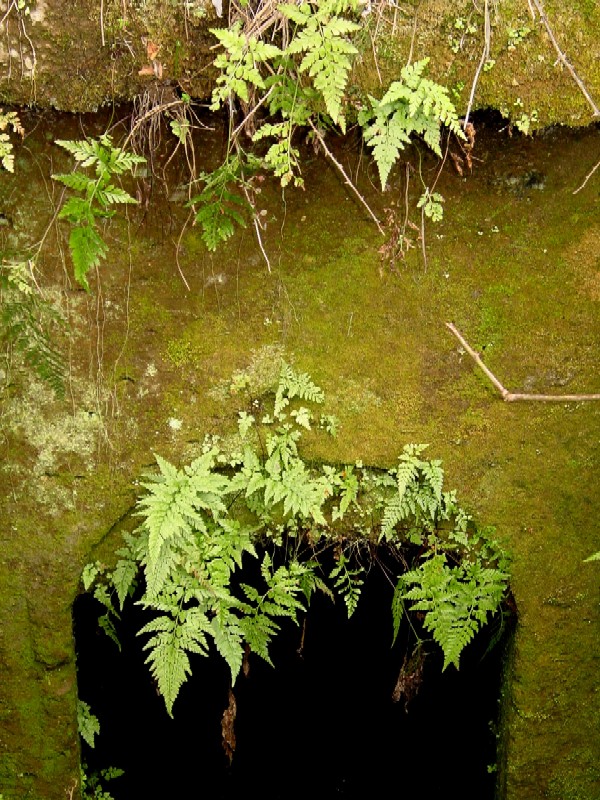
(514, 264)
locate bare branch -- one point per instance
(348, 181)
(511, 397)
(540, 9)
(587, 177)
(484, 57)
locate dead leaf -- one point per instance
(152, 50)
(227, 727)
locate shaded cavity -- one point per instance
(323, 721)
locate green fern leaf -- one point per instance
(348, 582)
(110, 194)
(87, 723)
(228, 637)
(172, 640)
(75, 180)
(123, 579)
(414, 105)
(87, 249)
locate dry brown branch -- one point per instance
(587, 177)
(511, 397)
(484, 57)
(348, 181)
(561, 56)
(227, 727)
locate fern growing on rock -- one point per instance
(27, 322)
(413, 105)
(94, 197)
(201, 523)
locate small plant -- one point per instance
(431, 203)
(26, 320)
(414, 105)
(95, 196)
(462, 28)
(87, 723)
(8, 119)
(517, 35)
(92, 785)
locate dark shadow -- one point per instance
(321, 724)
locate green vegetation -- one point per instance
(201, 522)
(26, 323)
(94, 198)
(304, 85)
(8, 119)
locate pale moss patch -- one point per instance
(56, 435)
(260, 376)
(356, 397)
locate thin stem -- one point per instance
(348, 181)
(541, 11)
(484, 57)
(511, 397)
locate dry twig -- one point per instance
(511, 397)
(561, 56)
(587, 177)
(348, 181)
(484, 57)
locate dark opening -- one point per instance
(322, 723)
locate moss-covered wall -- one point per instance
(81, 55)
(514, 264)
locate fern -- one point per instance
(26, 320)
(96, 196)
(221, 209)
(201, 521)
(281, 158)
(87, 723)
(322, 38)
(295, 384)
(348, 582)
(456, 600)
(239, 64)
(9, 119)
(419, 504)
(173, 638)
(280, 600)
(431, 203)
(414, 105)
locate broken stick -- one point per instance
(511, 397)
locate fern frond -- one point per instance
(109, 195)
(87, 723)
(228, 637)
(240, 64)
(78, 181)
(348, 582)
(295, 384)
(87, 249)
(397, 609)
(456, 600)
(173, 639)
(322, 36)
(413, 105)
(123, 579)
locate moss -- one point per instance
(374, 338)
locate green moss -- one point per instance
(374, 338)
